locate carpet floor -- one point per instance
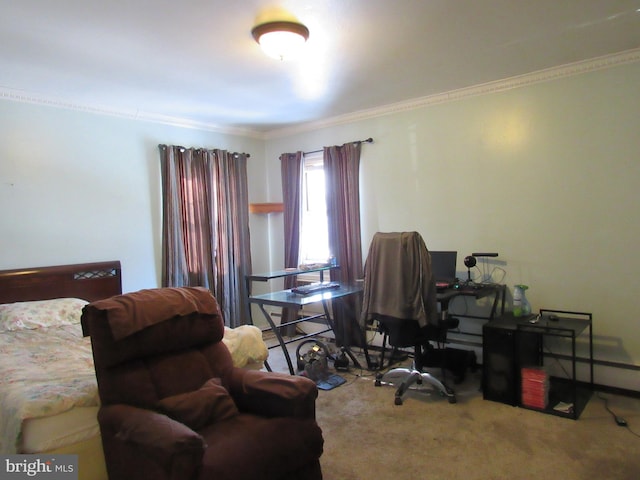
(367, 436)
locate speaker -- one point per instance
(498, 368)
(504, 352)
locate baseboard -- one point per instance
(614, 390)
(607, 389)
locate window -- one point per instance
(314, 235)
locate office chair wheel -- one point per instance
(451, 396)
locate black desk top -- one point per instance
(481, 292)
(562, 326)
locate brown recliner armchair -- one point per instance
(173, 406)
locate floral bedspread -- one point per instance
(43, 372)
(47, 371)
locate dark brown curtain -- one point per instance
(342, 178)
(205, 225)
(233, 249)
(291, 170)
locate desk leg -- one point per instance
(283, 345)
(499, 295)
(590, 355)
(575, 386)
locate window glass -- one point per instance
(314, 236)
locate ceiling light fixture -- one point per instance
(281, 39)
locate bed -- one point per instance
(48, 392)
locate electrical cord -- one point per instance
(620, 421)
(361, 374)
(487, 273)
(356, 375)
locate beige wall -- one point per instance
(544, 174)
(547, 175)
(77, 187)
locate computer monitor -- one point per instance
(443, 265)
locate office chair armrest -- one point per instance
(150, 437)
(273, 394)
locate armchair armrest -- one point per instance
(170, 445)
(273, 394)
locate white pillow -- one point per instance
(40, 313)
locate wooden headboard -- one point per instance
(89, 281)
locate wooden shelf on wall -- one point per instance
(265, 208)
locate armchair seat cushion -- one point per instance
(251, 447)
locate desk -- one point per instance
(511, 343)
(288, 299)
(498, 291)
(494, 292)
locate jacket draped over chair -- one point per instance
(401, 293)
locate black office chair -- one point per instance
(400, 294)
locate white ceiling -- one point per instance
(195, 60)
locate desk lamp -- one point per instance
(469, 262)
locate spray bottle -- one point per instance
(521, 306)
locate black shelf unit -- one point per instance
(511, 343)
(568, 325)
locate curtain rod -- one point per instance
(368, 140)
(235, 154)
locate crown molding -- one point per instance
(24, 97)
(555, 73)
(549, 74)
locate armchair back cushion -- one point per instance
(163, 360)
